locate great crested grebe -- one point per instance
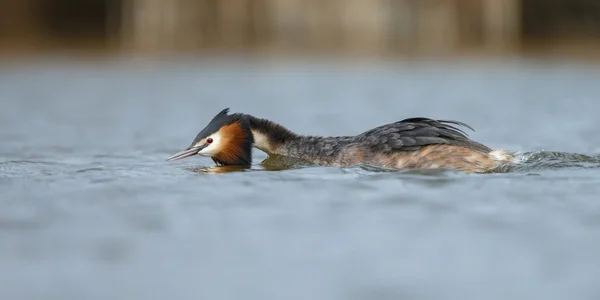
(415, 143)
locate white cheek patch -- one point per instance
(213, 147)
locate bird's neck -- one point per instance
(271, 137)
(274, 138)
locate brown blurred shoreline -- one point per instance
(354, 29)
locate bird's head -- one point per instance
(227, 139)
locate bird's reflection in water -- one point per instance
(271, 163)
(218, 169)
(277, 163)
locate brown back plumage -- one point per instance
(414, 133)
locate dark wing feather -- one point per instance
(414, 133)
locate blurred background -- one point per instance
(89, 209)
(374, 27)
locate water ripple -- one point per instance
(552, 160)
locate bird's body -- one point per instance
(415, 143)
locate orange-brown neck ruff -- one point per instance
(235, 147)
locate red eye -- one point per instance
(209, 140)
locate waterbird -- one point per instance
(413, 143)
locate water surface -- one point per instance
(89, 209)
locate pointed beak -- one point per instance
(185, 153)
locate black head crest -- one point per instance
(221, 119)
(224, 112)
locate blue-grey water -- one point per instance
(89, 209)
